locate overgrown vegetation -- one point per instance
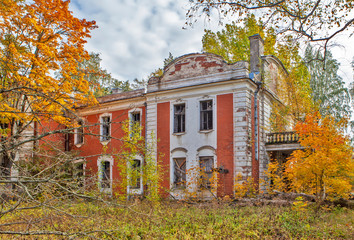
(178, 220)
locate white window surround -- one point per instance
(76, 140)
(132, 111)
(136, 190)
(172, 110)
(202, 99)
(100, 161)
(104, 142)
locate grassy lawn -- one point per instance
(178, 220)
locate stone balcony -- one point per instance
(282, 141)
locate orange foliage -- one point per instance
(325, 167)
(41, 44)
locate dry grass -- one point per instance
(177, 220)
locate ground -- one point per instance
(181, 220)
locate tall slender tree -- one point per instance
(328, 89)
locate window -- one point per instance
(79, 134)
(105, 128)
(179, 179)
(206, 115)
(206, 166)
(179, 124)
(105, 174)
(135, 122)
(135, 178)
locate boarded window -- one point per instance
(179, 124)
(206, 166)
(105, 128)
(179, 179)
(106, 174)
(206, 115)
(135, 178)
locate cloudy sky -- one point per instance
(135, 36)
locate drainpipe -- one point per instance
(259, 84)
(146, 143)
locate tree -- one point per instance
(316, 20)
(328, 90)
(232, 42)
(159, 72)
(41, 46)
(325, 167)
(294, 90)
(100, 80)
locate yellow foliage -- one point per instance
(325, 167)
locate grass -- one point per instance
(178, 220)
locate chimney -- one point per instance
(256, 51)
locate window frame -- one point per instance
(131, 113)
(207, 172)
(100, 161)
(139, 179)
(183, 182)
(77, 134)
(208, 124)
(105, 138)
(179, 118)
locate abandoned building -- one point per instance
(203, 111)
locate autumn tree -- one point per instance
(232, 44)
(41, 45)
(325, 167)
(315, 20)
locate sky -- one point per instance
(135, 36)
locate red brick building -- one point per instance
(204, 112)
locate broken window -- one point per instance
(79, 133)
(105, 128)
(179, 179)
(105, 174)
(135, 179)
(206, 167)
(134, 123)
(179, 118)
(206, 115)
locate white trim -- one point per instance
(76, 135)
(130, 112)
(100, 160)
(105, 142)
(172, 116)
(207, 98)
(136, 190)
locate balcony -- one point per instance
(282, 141)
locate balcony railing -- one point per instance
(282, 137)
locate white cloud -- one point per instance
(134, 36)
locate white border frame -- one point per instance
(136, 191)
(130, 112)
(105, 158)
(83, 134)
(105, 142)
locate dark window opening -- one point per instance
(135, 123)
(179, 179)
(80, 133)
(179, 124)
(206, 115)
(135, 178)
(106, 175)
(206, 167)
(105, 128)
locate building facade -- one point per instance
(206, 116)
